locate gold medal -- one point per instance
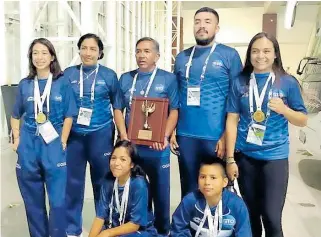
(259, 116)
(41, 117)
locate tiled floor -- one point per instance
(302, 212)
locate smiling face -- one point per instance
(211, 180)
(146, 56)
(121, 163)
(89, 52)
(262, 55)
(41, 57)
(205, 28)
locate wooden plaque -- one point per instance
(142, 133)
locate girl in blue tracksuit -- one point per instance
(262, 101)
(212, 210)
(47, 103)
(123, 208)
(97, 91)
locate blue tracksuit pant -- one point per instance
(191, 151)
(95, 148)
(157, 169)
(39, 165)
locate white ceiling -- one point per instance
(194, 5)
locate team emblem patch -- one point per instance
(159, 88)
(217, 63)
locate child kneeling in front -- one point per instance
(212, 210)
(123, 208)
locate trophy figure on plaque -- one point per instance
(147, 109)
(146, 133)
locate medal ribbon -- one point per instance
(215, 225)
(259, 98)
(122, 208)
(81, 84)
(39, 100)
(189, 64)
(151, 79)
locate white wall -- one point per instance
(239, 25)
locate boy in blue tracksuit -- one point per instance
(97, 91)
(47, 103)
(152, 82)
(211, 211)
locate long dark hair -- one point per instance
(98, 41)
(136, 171)
(133, 154)
(55, 68)
(277, 66)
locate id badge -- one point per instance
(48, 132)
(84, 116)
(194, 96)
(256, 134)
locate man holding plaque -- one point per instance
(204, 73)
(153, 84)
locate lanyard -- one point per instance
(151, 79)
(121, 207)
(81, 82)
(189, 64)
(215, 225)
(39, 100)
(254, 89)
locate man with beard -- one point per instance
(204, 74)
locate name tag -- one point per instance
(255, 134)
(48, 132)
(84, 116)
(194, 96)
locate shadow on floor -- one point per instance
(310, 171)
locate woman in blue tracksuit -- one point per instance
(261, 103)
(47, 102)
(97, 91)
(124, 208)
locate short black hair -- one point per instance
(156, 44)
(208, 9)
(213, 160)
(96, 38)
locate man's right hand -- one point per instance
(15, 143)
(173, 144)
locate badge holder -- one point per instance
(193, 96)
(256, 134)
(47, 131)
(84, 115)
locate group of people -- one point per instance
(225, 122)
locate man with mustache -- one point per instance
(152, 82)
(204, 73)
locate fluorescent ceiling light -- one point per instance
(290, 11)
